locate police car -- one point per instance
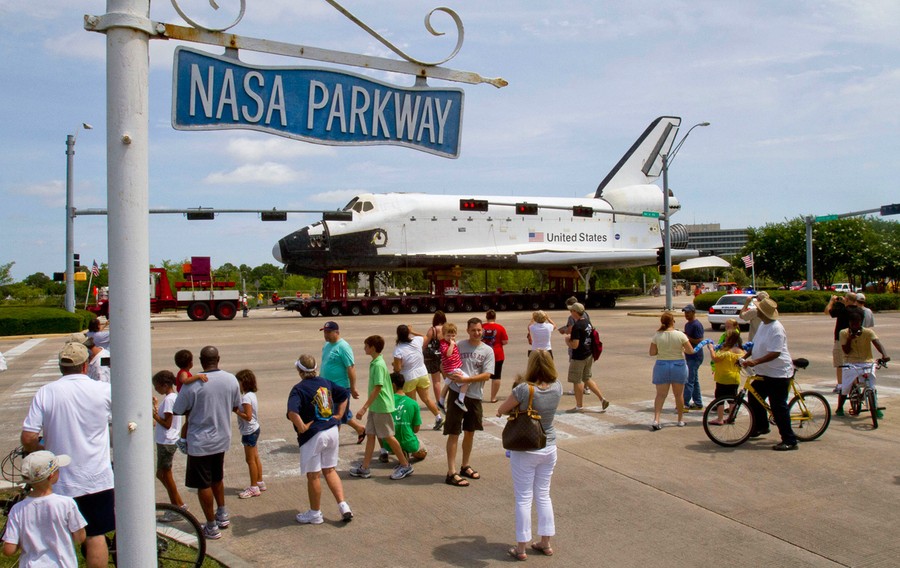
(727, 307)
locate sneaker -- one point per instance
(222, 519)
(570, 393)
(576, 409)
(252, 491)
(586, 390)
(655, 427)
(879, 414)
(836, 390)
(839, 412)
(460, 404)
(401, 471)
(182, 445)
(696, 407)
(784, 447)
(439, 421)
(604, 404)
(261, 485)
(441, 406)
(383, 456)
(680, 424)
(171, 516)
(310, 518)
(360, 471)
(211, 533)
(346, 513)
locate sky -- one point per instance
(802, 98)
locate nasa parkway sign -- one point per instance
(318, 105)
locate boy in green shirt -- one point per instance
(380, 405)
(407, 420)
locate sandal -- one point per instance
(545, 550)
(455, 480)
(467, 471)
(514, 552)
(360, 438)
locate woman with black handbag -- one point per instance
(532, 469)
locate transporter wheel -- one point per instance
(226, 310)
(198, 311)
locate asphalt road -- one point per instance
(623, 496)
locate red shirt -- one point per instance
(495, 335)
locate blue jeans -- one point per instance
(692, 386)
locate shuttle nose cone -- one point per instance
(276, 252)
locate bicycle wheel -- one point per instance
(179, 539)
(737, 422)
(854, 397)
(873, 407)
(810, 415)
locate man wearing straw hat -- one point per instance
(772, 363)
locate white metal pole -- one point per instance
(127, 111)
(667, 242)
(70, 224)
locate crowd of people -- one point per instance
(448, 367)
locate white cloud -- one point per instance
(268, 173)
(272, 148)
(337, 196)
(51, 193)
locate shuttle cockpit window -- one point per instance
(350, 206)
(359, 206)
(367, 206)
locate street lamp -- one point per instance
(70, 217)
(667, 238)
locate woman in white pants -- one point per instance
(531, 471)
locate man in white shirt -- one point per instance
(774, 368)
(74, 413)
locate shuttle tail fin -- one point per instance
(642, 163)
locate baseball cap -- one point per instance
(689, 308)
(860, 297)
(577, 308)
(73, 355)
(82, 339)
(38, 466)
(330, 326)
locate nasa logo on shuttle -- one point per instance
(618, 236)
(379, 238)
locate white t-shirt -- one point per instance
(169, 436)
(248, 427)
(75, 412)
(770, 338)
(540, 335)
(412, 362)
(97, 371)
(43, 527)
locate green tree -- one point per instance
(6, 273)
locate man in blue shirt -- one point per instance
(694, 331)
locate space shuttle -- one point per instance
(619, 225)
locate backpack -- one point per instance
(596, 344)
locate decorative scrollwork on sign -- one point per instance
(215, 6)
(460, 33)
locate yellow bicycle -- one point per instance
(810, 413)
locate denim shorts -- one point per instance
(250, 439)
(668, 372)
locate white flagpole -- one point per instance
(753, 270)
(88, 295)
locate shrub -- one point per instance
(29, 321)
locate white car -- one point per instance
(727, 307)
(843, 287)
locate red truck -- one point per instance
(199, 294)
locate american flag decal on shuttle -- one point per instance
(535, 237)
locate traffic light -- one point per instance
(59, 276)
(660, 257)
(273, 216)
(473, 205)
(201, 216)
(582, 211)
(526, 209)
(77, 259)
(337, 216)
(893, 209)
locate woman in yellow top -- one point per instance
(669, 347)
(727, 371)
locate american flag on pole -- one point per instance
(95, 269)
(748, 260)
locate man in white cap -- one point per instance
(44, 525)
(868, 317)
(771, 361)
(74, 413)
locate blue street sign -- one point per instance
(324, 106)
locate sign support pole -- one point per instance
(127, 155)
